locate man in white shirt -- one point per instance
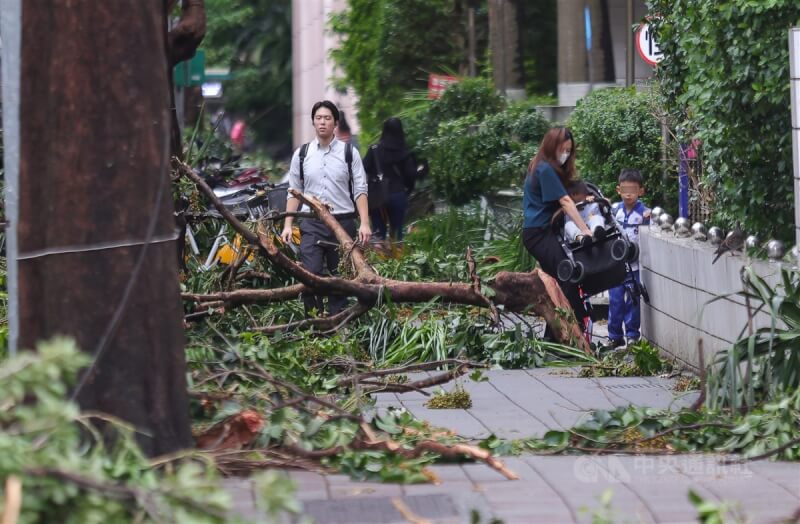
(326, 175)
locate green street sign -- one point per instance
(191, 72)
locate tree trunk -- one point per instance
(602, 51)
(504, 43)
(571, 42)
(95, 208)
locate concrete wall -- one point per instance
(681, 282)
(313, 70)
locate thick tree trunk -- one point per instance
(504, 43)
(96, 210)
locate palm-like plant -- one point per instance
(766, 362)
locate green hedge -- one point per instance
(725, 76)
(470, 96)
(616, 128)
(470, 156)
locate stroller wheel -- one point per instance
(619, 248)
(578, 273)
(633, 253)
(565, 269)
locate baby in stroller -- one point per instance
(603, 261)
(590, 213)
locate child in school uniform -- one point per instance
(631, 214)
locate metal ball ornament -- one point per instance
(775, 249)
(699, 231)
(666, 221)
(682, 227)
(658, 211)
(715, 236)
(752, 242)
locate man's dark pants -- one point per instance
(319, 250)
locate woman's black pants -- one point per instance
(542, 243)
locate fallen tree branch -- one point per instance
(780, 449)
(371, 441)
(333, 322)
(248, 296)
(426, 366)
(141, 496)
(515, 291)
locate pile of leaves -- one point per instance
(640, 359)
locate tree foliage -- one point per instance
(387, 50)
(474, 142)
(726, 80)
(254, 38)
(616, 128)
(44, 441)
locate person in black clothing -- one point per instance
(398, 165)
(549, 173)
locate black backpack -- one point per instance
(348, 158)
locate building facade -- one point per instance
(580, 71)
(313, 70)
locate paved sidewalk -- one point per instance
(551, 489)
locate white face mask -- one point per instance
(563, 158)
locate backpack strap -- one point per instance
(303, 152)
(348, 157)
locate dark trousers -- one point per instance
(542, 243)
(623, 309)
(395, 211)
(319, 250)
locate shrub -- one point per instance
(469, 157)
(616, 128)
(471, 96)
(725, 74)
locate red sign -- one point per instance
(647, 46)
(438, 83)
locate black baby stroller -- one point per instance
(602, 264)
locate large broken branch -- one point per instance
(535, 291)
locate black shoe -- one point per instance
(599, 233)
(584, 241)
(613, 344)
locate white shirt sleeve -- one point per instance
(294, 173)
(359, 175)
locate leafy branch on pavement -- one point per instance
(772, 430)
(315, 428)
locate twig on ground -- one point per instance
(779, 449)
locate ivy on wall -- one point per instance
(725, 77)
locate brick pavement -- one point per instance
(551, 489)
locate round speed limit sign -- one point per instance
(647, 46)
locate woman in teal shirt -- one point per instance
(549, 172)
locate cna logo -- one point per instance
(605, 469)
